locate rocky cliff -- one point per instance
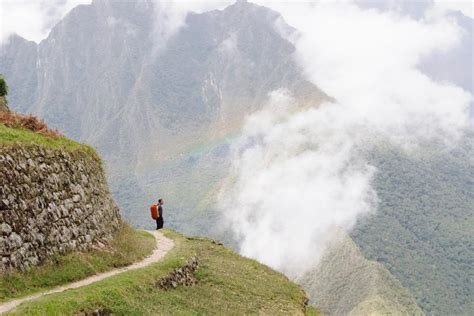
(52, 200)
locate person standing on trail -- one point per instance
(157, 213)
(159, 220)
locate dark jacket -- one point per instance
(160, 211)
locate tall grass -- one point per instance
(29, 122)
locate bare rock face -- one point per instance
(51, 201)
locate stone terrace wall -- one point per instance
(3, 105)
(51, 201)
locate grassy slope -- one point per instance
(128, 246)
(228, 284)
(345, 283)
(10, 136)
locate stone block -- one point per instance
(5, 229)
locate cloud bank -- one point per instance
(300, 175)
(33, 20)
(464, 6)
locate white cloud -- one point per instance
(229, 45)
(296, 177)
(33, 20)
(367, 59)
(299, 176)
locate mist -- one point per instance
(41, 15)
(170, 16)
(299, 174)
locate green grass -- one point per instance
(228, 284)
(10, 136)
(128, 246)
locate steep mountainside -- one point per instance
(422, 231)
(103, 78)
(345, 283)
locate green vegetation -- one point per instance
(128, 246)
(345, 283)
(3, 87)
(10, 136)
(228, 284)
(423, 229)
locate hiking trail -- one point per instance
(163, 246)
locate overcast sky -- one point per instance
(33, 19)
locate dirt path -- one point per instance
(164, 245)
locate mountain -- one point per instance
(102, 77)
(211, 74)
(422, 231)
(345, 283)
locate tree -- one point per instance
(3, 87)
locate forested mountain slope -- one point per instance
(422, 231)
(345, 283)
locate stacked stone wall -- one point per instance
(4, 104)
(51, 201)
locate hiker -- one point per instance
(157, 213)
(159, 220)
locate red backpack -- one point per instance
(154, 211)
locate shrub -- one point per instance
(3, 87)
(30, 122)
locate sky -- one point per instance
(466, 7)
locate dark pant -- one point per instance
(159, 223)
